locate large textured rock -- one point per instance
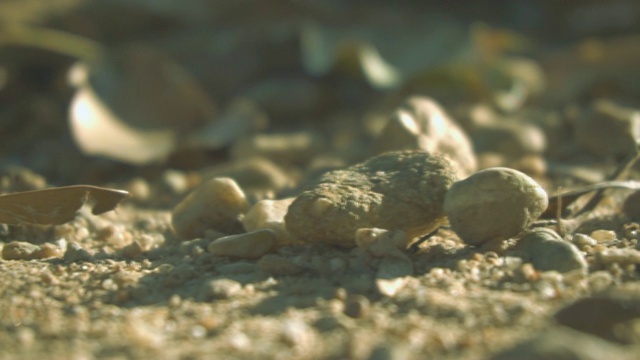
(401, 190)
(420, 123)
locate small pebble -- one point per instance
(217, 204)
(252, 173)
(603, 235)
(493, 204)
(392, 274)
(381, 242)
(357, 306)
(222, 288)
(47, 251)
(251, 245)
(19, 250)
(547, 252)
(401, 190)
(269, 214)
(622, 257)
(582, 240)
(75, 253)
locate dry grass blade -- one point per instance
(560, 202)
(58, 205)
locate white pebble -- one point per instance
(217, 204)
(222, 288)
(269, 214)
(603, 235)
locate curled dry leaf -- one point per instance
(58, 205)
(133, 105)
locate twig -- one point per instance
(620, 172)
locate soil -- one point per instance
(123, 285)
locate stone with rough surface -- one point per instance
(401, 190)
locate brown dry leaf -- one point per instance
(57, 205)
(565, 199)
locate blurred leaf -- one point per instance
(133, 105)
(58, 205)
(436, 52)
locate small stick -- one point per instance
(620, 172)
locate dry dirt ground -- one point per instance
(123, 285)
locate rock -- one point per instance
(47, 251)
(296, 148)
(76, 253)
(382, 242)
(603, 235)
(395, 265)
(512, 139)
(608, 129)
(622, 257)
(217, 204)
(251, 173)
(564, 344)
(278, 265)
(492, 204)
(401, 190)
(269, 214)
(603, 315)
(19, 250)
(420, 123)
(357, 306)
(251, 245)
(222, 288)
(392, 274)
(547, 251)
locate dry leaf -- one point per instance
(57, 205)
(133, 105)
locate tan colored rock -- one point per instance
(546, 250)
(251, 245)
(420, 123)
(251, 173)
(493, 204)
(402, 190)
(269, 214)
(217, 204)
(19, 250)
